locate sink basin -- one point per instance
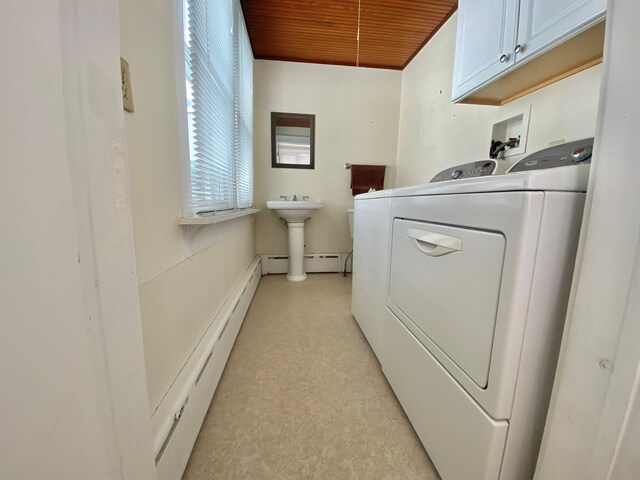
(295, 211)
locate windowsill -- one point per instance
(216, 218)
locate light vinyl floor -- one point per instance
(303, 396)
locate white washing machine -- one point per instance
(478, 283)
(371, 264)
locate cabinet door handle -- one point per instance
(504, 57)
(519, 48)
(434, 244)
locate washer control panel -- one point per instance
(467, 170)
(571, 153)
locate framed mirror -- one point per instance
(292, 140)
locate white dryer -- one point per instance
(479, 277)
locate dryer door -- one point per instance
(446, 281)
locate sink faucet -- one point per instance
(295, 198)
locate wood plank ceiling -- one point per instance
(390, 32)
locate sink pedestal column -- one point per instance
(296, 252)
(295, 213)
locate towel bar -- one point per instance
(347, 166)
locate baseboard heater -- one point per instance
(177, 420)
(313, 263)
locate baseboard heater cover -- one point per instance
(177, 420)
(313, 263)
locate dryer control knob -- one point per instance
(456, 173)
(581, 154)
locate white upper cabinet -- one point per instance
(496, 37)
(544, 23)
(484, 43)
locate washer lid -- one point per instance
(572, 178)
(374, 194)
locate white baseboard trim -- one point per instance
(177, 420)
(313, 263)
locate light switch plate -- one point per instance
(127, 93)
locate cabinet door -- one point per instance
(484, 43)
(546, 23)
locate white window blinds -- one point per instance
(244, 122)
(219, 84)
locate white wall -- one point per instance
(73, 401)
(184, 273)
(356, 113)
(435, 134)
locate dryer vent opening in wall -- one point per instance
(313, 263)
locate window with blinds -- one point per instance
(219, 95)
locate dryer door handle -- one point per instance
(434, 244)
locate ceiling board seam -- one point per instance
(358, 38)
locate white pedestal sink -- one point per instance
(295, 212)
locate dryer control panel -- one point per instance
(571, 153)
(467, 170)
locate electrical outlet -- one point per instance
(127, 93)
